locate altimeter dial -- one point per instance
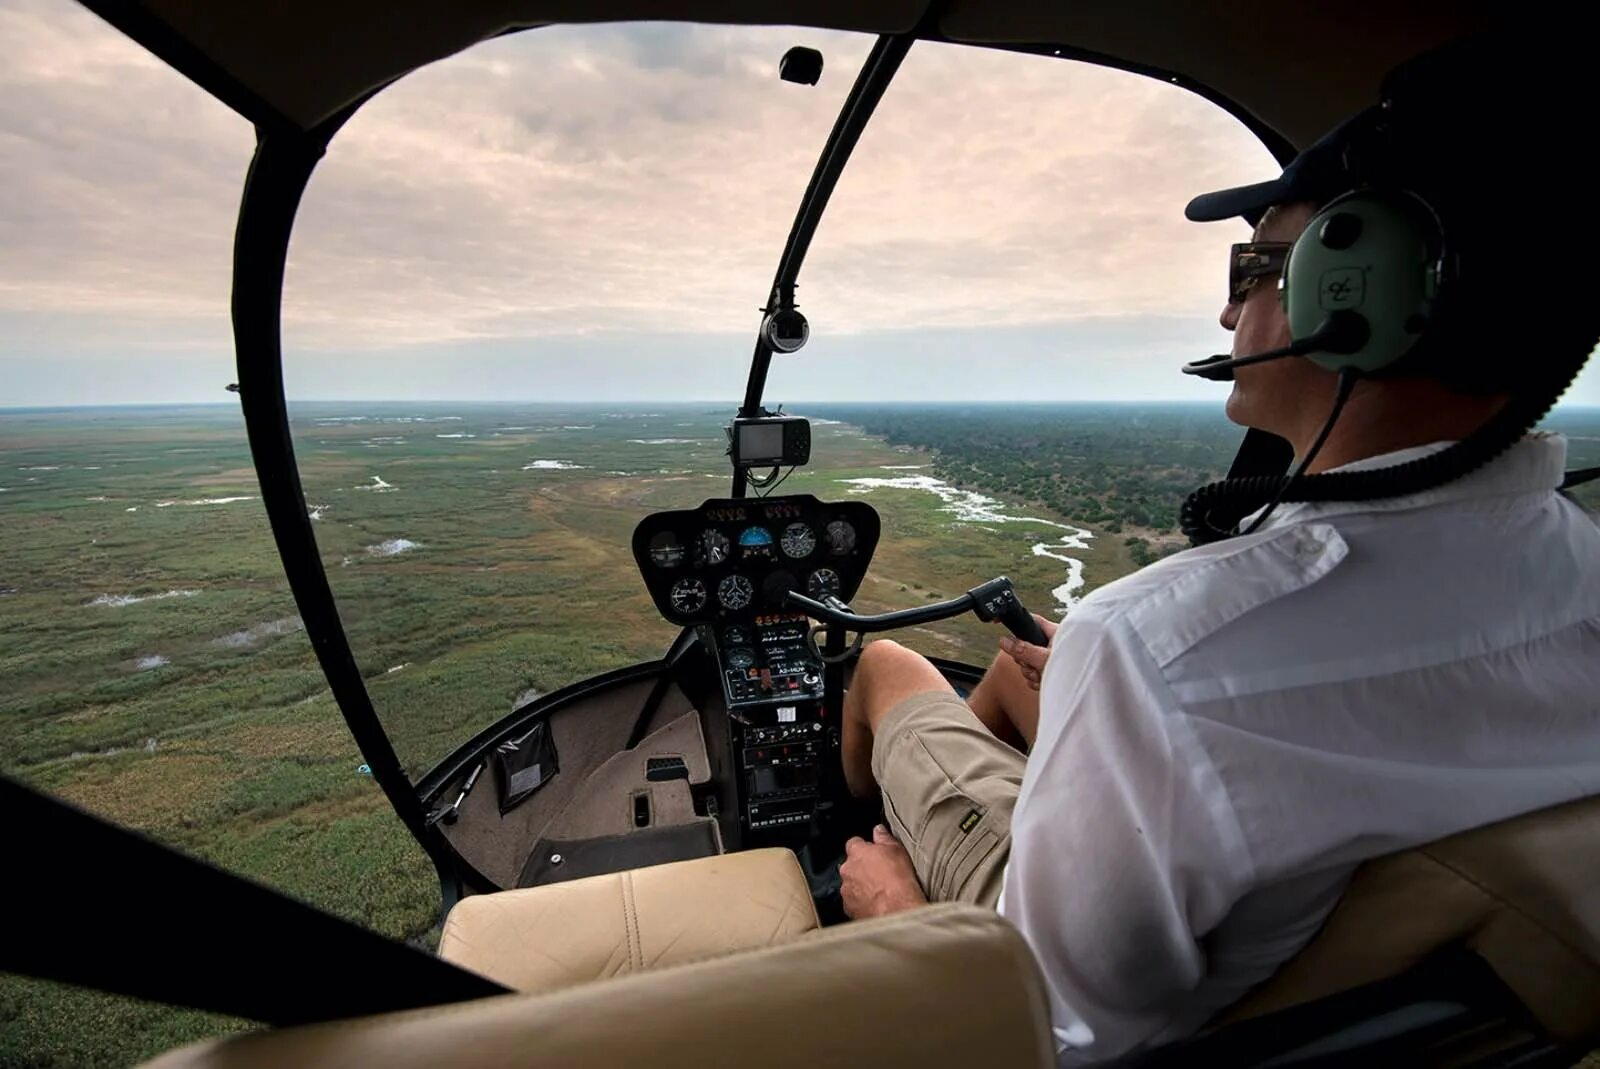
(798, 541)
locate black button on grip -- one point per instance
(996, 600)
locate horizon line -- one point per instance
(636, 402)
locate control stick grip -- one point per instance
(996, 600)
(1020, 622)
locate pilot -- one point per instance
(1214, 743)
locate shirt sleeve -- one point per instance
(1124, 851)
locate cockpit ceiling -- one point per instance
(1298, 68)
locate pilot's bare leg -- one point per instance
(886, 674)
(1007, 704)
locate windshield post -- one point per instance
(279, 173)
(876, 73)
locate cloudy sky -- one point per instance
(596, 213)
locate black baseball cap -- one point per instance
(1318, 174)
(1433, 130)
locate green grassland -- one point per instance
(477, 553)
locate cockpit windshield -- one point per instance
(517, 312)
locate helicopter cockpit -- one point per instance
(659, 843)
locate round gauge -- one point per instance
(735, 592)
(798, 541)
(734, 636)
(739, 658)
(823, 582)
(841, 538)
(755, 542)
(665, 550)
(688, 596)
(712, 547)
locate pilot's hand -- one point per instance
(1030, 658)
(876, 878)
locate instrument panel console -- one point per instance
(732, 559)
(726, 569)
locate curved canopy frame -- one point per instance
(298, 69)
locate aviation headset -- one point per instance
(1368, 273)
(1365, 285)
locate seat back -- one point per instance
(945, 985)
(1523, 894)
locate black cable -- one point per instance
(1347, 384)
(780, 480)
(771, 476)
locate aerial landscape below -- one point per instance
(158, 673)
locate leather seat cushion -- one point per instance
(541, 938)
(943, 985)
(1523, 894)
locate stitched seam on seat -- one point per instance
(631, 924)
(1513, 907)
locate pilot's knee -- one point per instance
(881, 655)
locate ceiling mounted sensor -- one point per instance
(785, 330)
(801, 65)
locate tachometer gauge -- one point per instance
(823, 582)
(665, 550)
(712, 547)
(739, 659)
(841, 538)
(688, 596)
(798, 541)
(735, 592)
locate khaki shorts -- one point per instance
(949, 787)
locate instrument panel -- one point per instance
(731, 559)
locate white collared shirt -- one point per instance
(1226, 734)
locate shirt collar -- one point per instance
(1534, 465)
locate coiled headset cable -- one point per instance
(1213, 512)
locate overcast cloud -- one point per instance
(596, 213)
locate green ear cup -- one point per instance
(1372, 254)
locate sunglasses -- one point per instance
(1253, 260)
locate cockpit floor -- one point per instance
(619, 797)
(587, 734)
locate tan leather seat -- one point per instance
(542, 938)
(1524, 894)
(946, 985)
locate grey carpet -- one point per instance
(605, 805)
(586, 733)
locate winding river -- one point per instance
(969, 506)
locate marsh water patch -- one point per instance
(205, 501)
(149, 661)
(120, 600)
(392, 547)
(970, 506)
(259, 633)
